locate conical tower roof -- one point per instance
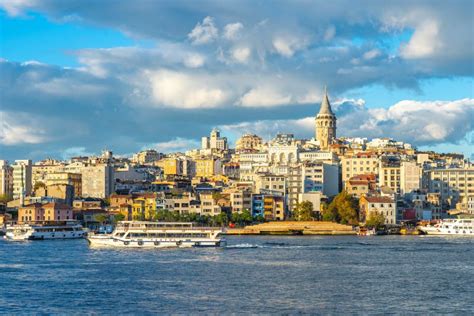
(325, 105)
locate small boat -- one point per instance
(460, 227)
(143, 234)
(364, 231)
(45, 230)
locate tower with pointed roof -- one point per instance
(325, 123)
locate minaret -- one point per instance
(325, 123)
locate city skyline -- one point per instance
(75, 81)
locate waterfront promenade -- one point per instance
(294, 228)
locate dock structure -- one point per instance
(294, 228)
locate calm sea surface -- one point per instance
(284, 275)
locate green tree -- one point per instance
(246, 217)
(259, 219)
(101, 218)
(375, 220)
(4, 198)
(303, 211)
(119, 217)
(342, 209)
(243, 218)
(221, 219)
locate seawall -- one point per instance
(294, 228)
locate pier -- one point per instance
(294, 228)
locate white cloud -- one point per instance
(232, 30)
(70, 152)
(371, 54)
(194, 60)
(182, 90)
(62, 87)
(287, 46)
(16, 7)
(241, 54)
(204, 32)
(424, 42)
(264, 96)
(176, 145)
(269, 128)
(20, 128)
(416, 122)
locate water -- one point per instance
(284, 275)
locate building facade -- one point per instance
(6, 179)
(97, 180)
(22, 178)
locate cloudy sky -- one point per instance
(78, 76)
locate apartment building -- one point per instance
(22, 184)
(361, 163)
(6, 178)
(379, 204)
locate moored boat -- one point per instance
(44, 230)
(460, 227)
(142, 234)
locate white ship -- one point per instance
(141, 234)
(40, 231)
(450, 227)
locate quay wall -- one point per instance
(294, 228)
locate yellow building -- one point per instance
(274, 207)
(208, 167)
(359, 164)
(171, 166)
(248, 143)
(144, 206)
(65, 178)
(389, 174)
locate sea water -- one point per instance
(261, 274)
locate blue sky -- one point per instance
(79, 76)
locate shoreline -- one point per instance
(293, 228)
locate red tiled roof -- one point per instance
(358, 182)
(378, 199)
(57, 205)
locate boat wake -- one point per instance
(272, 246)
(243, 246)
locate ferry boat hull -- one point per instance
(135, 234)
(450, 227)
(42, 232)
(96, 241)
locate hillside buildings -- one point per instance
(267, 178)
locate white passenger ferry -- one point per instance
(141, 234)
(458, 226)
(40, 231)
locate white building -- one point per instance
(22, 175)
(453, 184)
(381, 205)
(97, 180)
(410, 177)
(215, 141)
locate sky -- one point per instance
(79, 76)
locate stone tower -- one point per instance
(325, 123)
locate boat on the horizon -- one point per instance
(44, 230)
(459, 227)
(143, 234)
